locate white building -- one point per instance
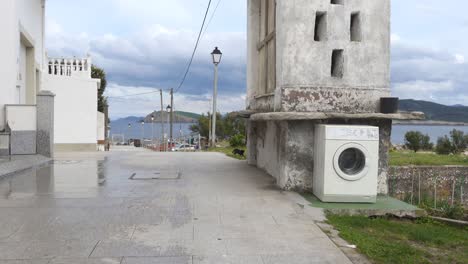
(76, 120)
(29, 121)
(22, 53)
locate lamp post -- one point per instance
(129, 132)
(168, 110)
(152, 129)
(216, 55)
(142, 131)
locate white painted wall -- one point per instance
(17, 16)
(21, 117)
(75, 109)
(101, 119)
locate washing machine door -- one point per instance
(351, 162)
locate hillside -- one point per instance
(179, 117)
(438, 112)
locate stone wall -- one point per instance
(285, 150)
(432, 185)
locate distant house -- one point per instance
(76, 118)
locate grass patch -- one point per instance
(402, 241)
(227, 149)
(406, 158)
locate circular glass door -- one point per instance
(351, 162)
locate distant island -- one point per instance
(436, 114)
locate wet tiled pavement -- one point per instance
(178, 208)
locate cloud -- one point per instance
(157, 56)
(428, 74)
(459, 59)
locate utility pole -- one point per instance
(209, 128)
(162, 120)
(172, 116)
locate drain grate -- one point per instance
(146, 176)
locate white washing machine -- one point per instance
(346, 163)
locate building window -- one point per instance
(337, 2)
(355, 27)
(267, 47)
(320, 33)
(337, 64)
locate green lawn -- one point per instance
(403, 241)
(406, 158)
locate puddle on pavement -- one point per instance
(58, 177)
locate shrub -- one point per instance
(453, 211)
(415, 140)
(237, 141)
(444, 146)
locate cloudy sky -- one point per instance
(144, 45)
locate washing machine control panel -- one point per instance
(352, 133)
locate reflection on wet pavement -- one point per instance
(189, 208)
(59, 177)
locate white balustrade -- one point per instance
(69, 67)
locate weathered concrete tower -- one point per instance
(312, 62)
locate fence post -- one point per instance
(419, 187)
(453, 190)
(412, 185)
(435, 193)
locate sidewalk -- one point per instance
(138, 207)
(19, 163)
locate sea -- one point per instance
(136, 131)
(148, 130)
(434, 132)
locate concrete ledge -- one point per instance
(282, 116)
(20, 163)
(450, 221)
(385, 206)
(85, 147)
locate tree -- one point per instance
(426, 143)
(226, 126)
(458, 141)
(99, 73)
(444, 146)
(415, 140)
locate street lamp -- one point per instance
(216, 55)
(142, 131)
(152, 129)
(168, 110)
(129, 132)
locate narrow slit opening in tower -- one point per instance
(356, 33)
(337, 2)
(337, 66)
(320, 33)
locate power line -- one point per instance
(129, 95)
(195, 48)
(202, 30)
(211, 18)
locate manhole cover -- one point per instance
(168, 175)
